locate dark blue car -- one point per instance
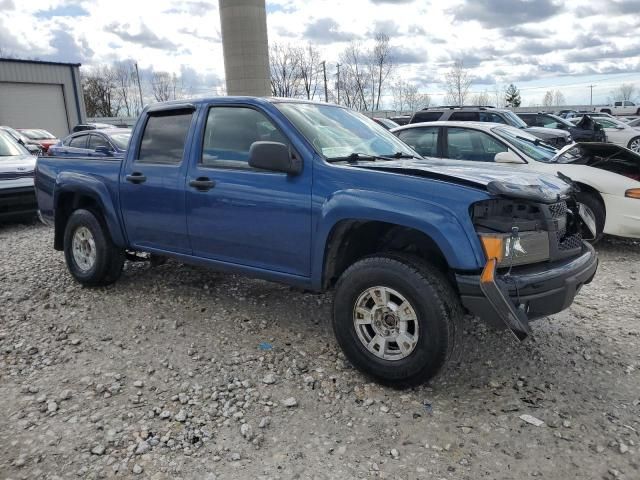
(111, 142)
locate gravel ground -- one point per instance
(179, 372)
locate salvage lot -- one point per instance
(157, 376)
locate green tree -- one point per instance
(512, 96)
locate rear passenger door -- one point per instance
(245, 216)
(152, 183)
(424, 140)
(471, 145)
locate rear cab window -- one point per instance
(164, 137)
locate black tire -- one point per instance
(597, 207)
(437, 309)
(109, 259)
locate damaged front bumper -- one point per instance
(526, 293)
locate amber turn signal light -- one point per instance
(632, 193)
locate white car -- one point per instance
(17, 194)
(617, 132)
(608, 175)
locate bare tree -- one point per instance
(498, 94)
(126, 88)
(284, 61)
(481, 98)
(99, 92)
(625, 92)
(164, 86)
(457, 82)
(407, 98)
(355, 77)
(547, 101)
(558, 98)
(309, 70)
(380, 67)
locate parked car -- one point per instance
(42, 137)
(17, 195)
(90, 126)
(635, 123)
(111, 142)
(608, 175)
(582, 113)
(584, 131)
(625, 107)
(553, 136)
(385, 122)
(32, 146)
(618, 132)
(320, 197)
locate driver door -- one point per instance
(243, 215)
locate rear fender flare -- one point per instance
(92, 187)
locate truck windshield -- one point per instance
(337, 132)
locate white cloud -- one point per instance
(535, 44)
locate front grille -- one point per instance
(15, 175)
(568, 242)
(558, 210)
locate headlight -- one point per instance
(513, 250)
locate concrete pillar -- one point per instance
(245, 46)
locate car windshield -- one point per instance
(527, 144)
(15, 134)
(514, 120)
(337, 132)
(38, 134)
(561, 121)
(121, 139)
(9, 147)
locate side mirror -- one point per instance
(507, 157)
(273, 156)
(619, 127)
(32, 148)
(104, 150)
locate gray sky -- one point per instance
(537, 45)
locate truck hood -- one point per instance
(17, 164)
(498, 179)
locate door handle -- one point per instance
(136, 177)
(202, 184)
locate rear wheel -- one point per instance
(91, 256)
(395, 318)
(595, 206)
(634, 144)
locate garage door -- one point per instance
(33, 105)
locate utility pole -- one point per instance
(324, 73)
(338, 84)
(139, 86)
(591, 101)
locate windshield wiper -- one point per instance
(356, 157)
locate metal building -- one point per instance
(35, 94)
(245, 47)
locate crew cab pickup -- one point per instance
(320, 197)
(624, 107)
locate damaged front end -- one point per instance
(536, 259)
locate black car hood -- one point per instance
(605, 156)
(499, 179)
(544, 132)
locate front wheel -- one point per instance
(595, 206)
(395, 318)
(634, 144)
(91, 256)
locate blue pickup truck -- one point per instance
(319, 197)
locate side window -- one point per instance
(422, 140)
(473, 145)
(464, 117)
(491, 117)
(229, 133)
(97, 141)
(604, 123)
(529, 119)
(78, 142)
(426, 117)
(164, 137)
